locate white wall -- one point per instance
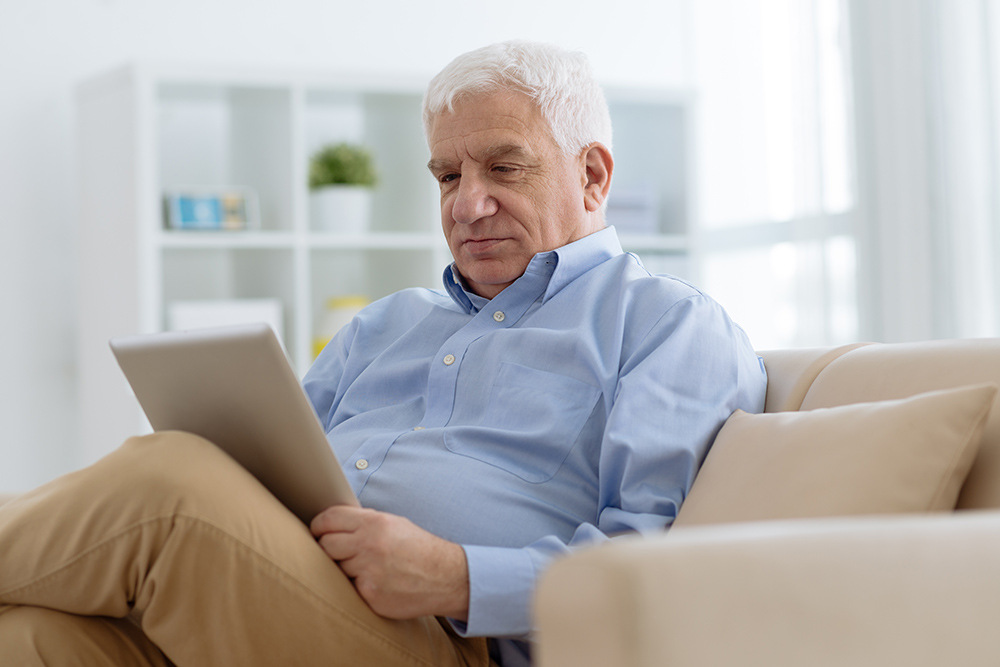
(48, 46)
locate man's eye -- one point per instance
(447, 178)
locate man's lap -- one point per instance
(211, 561)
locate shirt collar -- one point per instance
(467, 300)
(558, 267)
(575, 259)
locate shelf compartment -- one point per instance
(213, 136)
(371, 273)
(205, 274)
(390, 125)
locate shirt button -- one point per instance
(449, 359)
(361, 464)
(499, 316)
(418, 428)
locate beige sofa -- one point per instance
(908, 585)
(890, 589)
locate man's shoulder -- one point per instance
(628, 275)
(647, 301)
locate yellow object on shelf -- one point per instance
(318, 345)
(355, 301)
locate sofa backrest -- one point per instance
(823, 378)
(790, 373)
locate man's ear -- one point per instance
(598, 165)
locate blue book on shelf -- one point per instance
(206, 211)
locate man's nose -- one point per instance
(473, 201)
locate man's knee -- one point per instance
(164, 447)
(164, 462)
(181, 472)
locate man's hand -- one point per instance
(399, 569)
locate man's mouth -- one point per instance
(481, 246)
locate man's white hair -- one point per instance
(559, 82)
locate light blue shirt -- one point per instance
(575, 405)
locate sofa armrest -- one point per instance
(863, 592)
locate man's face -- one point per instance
(507, 190)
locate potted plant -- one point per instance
(341, 178)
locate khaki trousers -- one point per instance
(167, 551)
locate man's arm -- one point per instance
(678, 382)
(399, 569)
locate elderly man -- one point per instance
(554, 395)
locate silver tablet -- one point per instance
(234, 387)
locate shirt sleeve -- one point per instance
(678, 384)
(322, 382)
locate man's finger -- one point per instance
(339, 546)
(338, 518)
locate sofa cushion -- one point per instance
(906, 455)
(897, 370)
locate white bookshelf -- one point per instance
(146, 129)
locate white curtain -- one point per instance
(926, 84)
(775, 235)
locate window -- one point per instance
(777, 195)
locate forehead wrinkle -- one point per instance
(507, 150)
(521, 120)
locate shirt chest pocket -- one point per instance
(530, 424)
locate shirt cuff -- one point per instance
(501, 583)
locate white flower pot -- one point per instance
(344, 209)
